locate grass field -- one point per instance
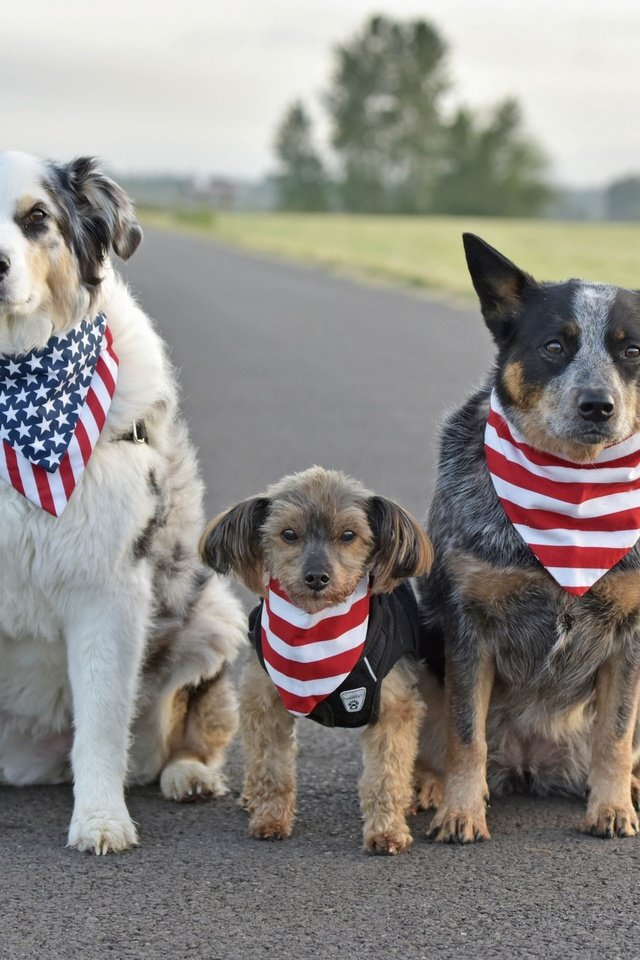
(426, 251)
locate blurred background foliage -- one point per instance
(396, 147)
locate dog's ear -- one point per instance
(502, 287)
(231, 542)
(402, 548)
(101, 216)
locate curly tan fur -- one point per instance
(390, 747)
(314, 509)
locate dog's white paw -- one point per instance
(102, 831)
(187, 780)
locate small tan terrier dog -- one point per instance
(336, 639)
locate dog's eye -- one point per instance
(289, 535)
(632, 352)
(554, 348)
(37, 215)
(348, 536)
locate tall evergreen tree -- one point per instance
(302, 182)
(490, 167)
(384, 103)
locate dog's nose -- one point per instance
(5, 263)
(595, 405)
(315, 580)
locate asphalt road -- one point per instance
(283, 366)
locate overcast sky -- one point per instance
(199, 86)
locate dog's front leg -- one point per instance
(269, 746)
(105, 640)
(461, 816)
(390, 747)
(610, 810)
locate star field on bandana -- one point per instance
(42, 393)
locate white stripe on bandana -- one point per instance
(578, 519)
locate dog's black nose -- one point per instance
(595, 405)
(5, 263)
(316, 581)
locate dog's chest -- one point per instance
(542, 637)
(49, 566)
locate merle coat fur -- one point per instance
(114, 637)
(540, 686)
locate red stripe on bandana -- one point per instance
(565, 510)
(14, 470)
(66, 475)
(44, 490)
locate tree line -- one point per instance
(395, 148)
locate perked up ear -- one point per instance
(502, 287)
(231, 542)
(402, 548)
(105, 217)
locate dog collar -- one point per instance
(578, 519)
(308, 655)
(53, 406)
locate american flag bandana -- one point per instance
(308, 655)
(579, 519)
(53, 406)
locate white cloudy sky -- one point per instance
(199, 86)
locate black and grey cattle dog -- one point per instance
(532, 616)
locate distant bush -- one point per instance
(622, 199)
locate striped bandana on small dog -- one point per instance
(308, 655)
(53, 406)
(579, 519)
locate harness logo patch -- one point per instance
(353, 700)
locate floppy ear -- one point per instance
(102, 216)
(402, 548)
(231, 542)
(502, 287)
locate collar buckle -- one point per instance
(139, 432)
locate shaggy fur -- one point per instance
(254, 539)
(108, 618)
(541, 684)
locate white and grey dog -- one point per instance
(113, 637)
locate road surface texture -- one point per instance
(283, 366)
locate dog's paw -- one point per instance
(270, 824)
(186, 780)
(102, 831)
(388, 842)
(459, 826)
(608, 820)
(429, 790)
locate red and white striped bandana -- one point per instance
(308, 655)
(579, 519)
(53, 406)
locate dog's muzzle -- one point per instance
(596, 405)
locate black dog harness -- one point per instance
(393, 632)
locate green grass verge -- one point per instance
(425, 251)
